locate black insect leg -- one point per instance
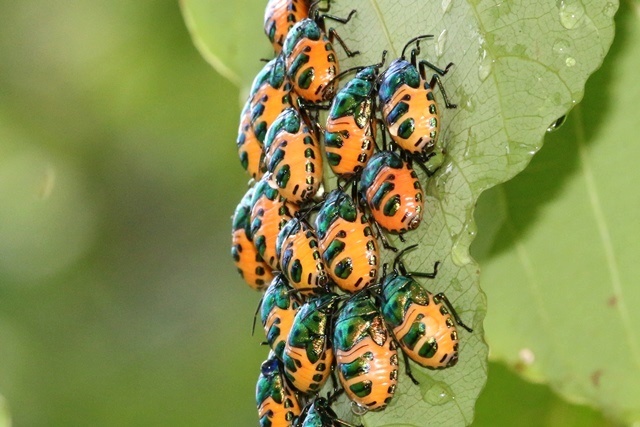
(435, 79)
(417, 50)
(255, 316)
(431, 275)
(334, 35)
(337, 18)
(383, 238)
(446, 301)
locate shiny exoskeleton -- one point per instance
(299, 255)
(273, 95)
(366, 354)
(312, 64)
(409, 108)
(423, 323)
(292, 156)
(278, 406)
(280, 16)
(277, 311)
(393, 192)
(269, 212)
(249, 147)
(349, 248)
(308, 354)
(350, 133)
(249, 263)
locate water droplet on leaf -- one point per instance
(571, 13)
(609, 9)
(561, 47)
(446, 5)
(433, 392)
(358, 410)
(486, 64)
(556, 125)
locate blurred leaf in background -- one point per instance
(566, 251)
(118, 300)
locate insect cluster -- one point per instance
(327, 312)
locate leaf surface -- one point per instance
(562, 271)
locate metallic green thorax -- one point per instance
(305, 29)
(288, 121)
(398, 294)
(338, 204)
(242, 214)
(399, 73)
(264, 189)
(270, 382)
(276, 80)
(311, 326)
(263, 76)
(378, 162)
(354, 99)
(273, 74)
(278, 72)
(358, 319)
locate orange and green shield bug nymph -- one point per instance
(350, 134)
(366, 354)
(249, 263)
(278, 405)
(308, 355)
(347, 242)
(392, 191)
(249, 147)
(423, 323)
(278, 308)
(269, 213)
(280, 16)
(293, 158)
(409, 108)
(312, 63)
(273, 96)
(300, 259)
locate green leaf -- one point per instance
(229, 35)
(518, 67)
(530, 405)
(562, 273)
(5, 418)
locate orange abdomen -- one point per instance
(369, 372)
(348, 147)
(351, 254)
(412, 118)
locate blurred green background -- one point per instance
(119, 302)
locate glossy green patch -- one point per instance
(406, 128)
